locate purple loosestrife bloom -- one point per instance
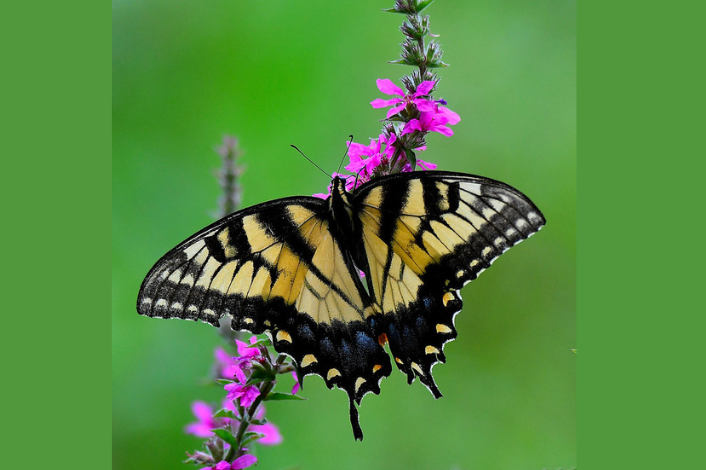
(237, 366)
(245, 393)
(421, 164)
(376, 157)
(386, 86)
(245, 351)
(222, 465)
(228, 366)
(271, 435)
(444, 111)
(244, 461)
(270, 432)
(295, 389)
(429, 122)
(206, 421)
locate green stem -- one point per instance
(420, 41)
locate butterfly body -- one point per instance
(290, 267)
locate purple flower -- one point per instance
(421, 164)
(271, 435)
(235, 367)
(244, 461)
(430, 122)
(295, 389)
(222, 465)
(398, 104)
(206, 422)
(368, 160)
(246, 393)
(228, 366)
(244, 349)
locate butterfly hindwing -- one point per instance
(427, 234)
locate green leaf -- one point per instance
(225, 381)
(411, 158)
(226, 436)
(248, 437)
(423, 4)
(277, 396)
(400, 62)
(416, 7)
(223, 413)
(261, 375)
(263, 342)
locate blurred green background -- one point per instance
(303, 72)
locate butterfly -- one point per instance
(292, 268)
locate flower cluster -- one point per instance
(249, 379)
(413, 113)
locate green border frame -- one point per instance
(56, 193)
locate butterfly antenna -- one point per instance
(310, 161)
(350, 141)
(355, 184)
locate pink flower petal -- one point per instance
(250, 394)
(356, 150)
(372, 163)
(452, 117)
(424, 88)
(244, 349)
(443, 130)
(246, 394)
(202, 411)
(386, 86)
(380, 103)
(426, 106)
(355, 165)
(396, 110)
(295, 389)
(222, 465)
(222, 356)
(271, 434)
(199, 430)
(411, 126)
(426, 165)
(244, 461)
(239, 374)
(321, 195)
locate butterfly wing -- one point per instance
(425, 235)
(277, 267)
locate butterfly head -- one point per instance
(338, 186)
